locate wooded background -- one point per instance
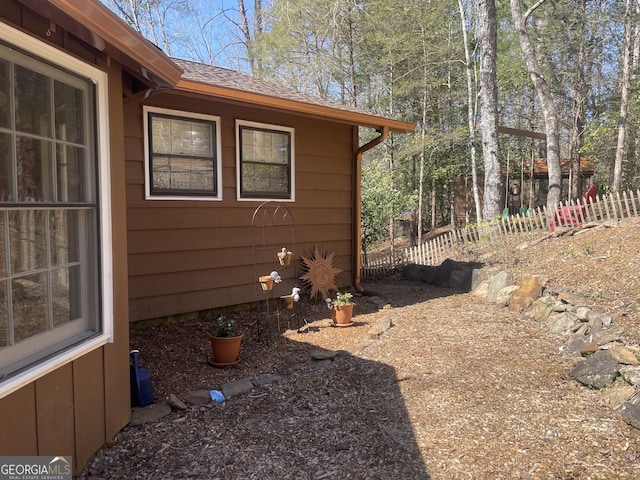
(458, 69)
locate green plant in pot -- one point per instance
(225, 343)
(341, 309)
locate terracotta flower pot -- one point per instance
(225, 350)
(285, 257)
(287, 300)
(342, 315)
(266, 282)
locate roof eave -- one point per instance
(94, 23)
(345, 116)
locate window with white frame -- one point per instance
(54, 209)
(182, 152)
(265, 161)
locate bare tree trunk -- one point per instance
(471, 114)
(579, 98)
(249, 36)
(549, 111)
(621, 150)
(493, 182)
(434, 202)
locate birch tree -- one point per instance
(547, 105)
(471, 110)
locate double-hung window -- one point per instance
(265, 161)
(54, 209)
(182, 155)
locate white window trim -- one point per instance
(100, 81)
(147, 154)
(275, 128)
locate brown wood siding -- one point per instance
(186, 256)
(19, 431)
(75, 409)
(55, 405)
(89, 401)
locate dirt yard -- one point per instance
(456, 389)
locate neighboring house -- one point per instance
(103, 221)
(524, 190)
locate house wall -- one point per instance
(186, 256)
(78, 407)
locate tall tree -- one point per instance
(493, 184)
(250, 34)
(547, 105)
(621, 149)
(471, 110)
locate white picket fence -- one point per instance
(512, 229)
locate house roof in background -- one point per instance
(232, 85)
(540, 166)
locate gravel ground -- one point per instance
(456, 389)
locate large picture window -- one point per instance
(182, 155)
(265, 161)
(53, 217)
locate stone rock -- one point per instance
(266, 379)
(461, 280)
(481, 290)
(631, 414)
(476, 279)
(427, 274)
(385, 323)
(588, 348)
(582, 312)
(560, 307)
(443, 273)
(593, 315)
(175, 402)
(616, 396)
(499, 281)
(597, 371)
(540, 309)
(606, 320)
(575, 343)
(607, 336)
(323, 355)
(631, 374)
(582, 329)
(574, 299)
(530, 290)
(197, 397)
(561, 322)
(411, 271)
(374, 334)
(238, 387)
(505, 295)
(623, 355)
(149, 414)
(595, 326)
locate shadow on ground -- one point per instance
(340, 418)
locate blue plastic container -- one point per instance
(141, 388)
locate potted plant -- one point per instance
(341, 309)
(225, 343)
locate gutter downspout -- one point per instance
(357, 192)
